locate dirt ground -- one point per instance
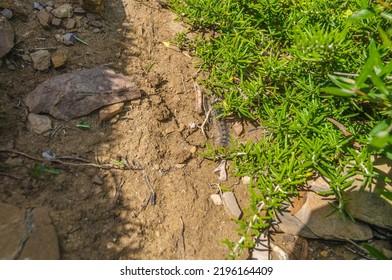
(114, 220)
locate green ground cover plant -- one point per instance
(314, 74)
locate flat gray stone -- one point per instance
(6, 35)
(312, 220)
(27, 234)
(370, 208)
(231, 206)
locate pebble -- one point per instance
(39, 123)
(38, 6)
(324, 253)
(56, 22)
(193, 149)
(58, 59)
(238, 128)
(96, 30)
(110, 111)
(41, 60)
(71, 23)
(97, 180)
(231, 206)
(7, 13)
(245, 180)
(63, 11)
(216, 199)
(44, 18)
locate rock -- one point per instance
(96, 30)
(6, 35)
(39, 123)
(93, 6)
(262, 246)
(245, 180)
(58, 59)
(231, 205)
(238, 128)
(44, 18)
(216, 199)
(370, 208)
(38, 6)
(312, 220)
(79, 93)
(71, 23)
(63, 11)
(41, 60)
(193, 149)
(110, 111)
(56, 22)
(97, 180)
(7, 13)
(27, 234)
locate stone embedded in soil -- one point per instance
(56, 22)
(7, 13)
(93, 6)
(27, 234)
(97, 180)
(262, 247)
(81, 92)
(312, 220)
(6, 35)
(58, 59)
(39, 123)
(370, 208)
(44, 18)
(71, 23)
(41, 60)
(216, 199)
(245, 180)
(63, 11)
(110, 111)
(231, 206)
(238, 128)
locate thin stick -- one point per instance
(204, 123)
(86, 163)
(11, 176)
(183, 238)
(147, 180)
(118, 188)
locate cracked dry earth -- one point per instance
(114, 220)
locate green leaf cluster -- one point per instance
(279, 63)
